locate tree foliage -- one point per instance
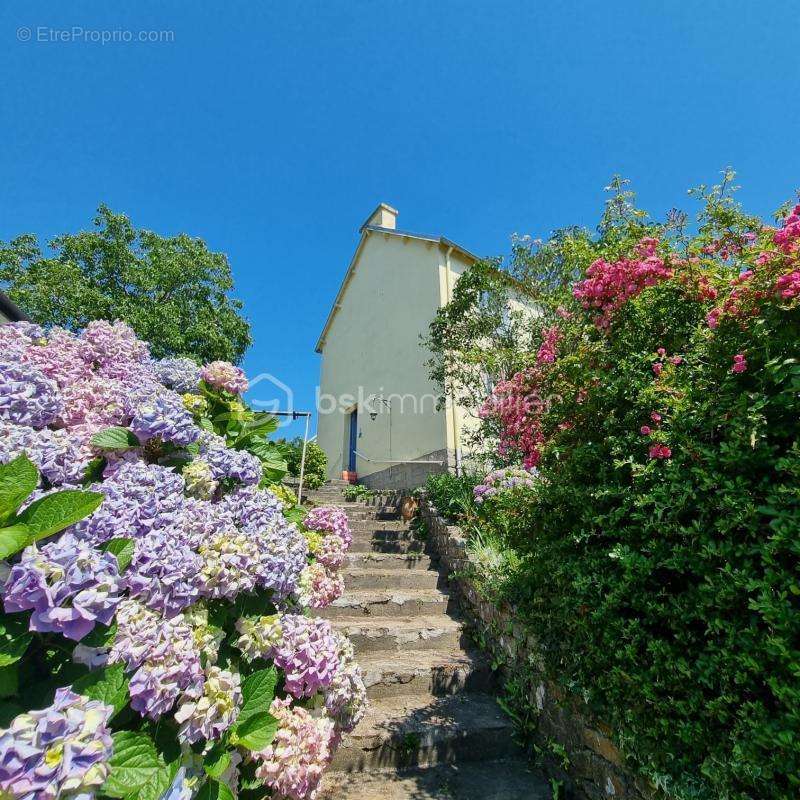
(173, 291)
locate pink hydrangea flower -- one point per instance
(224, 375)
(645, 430)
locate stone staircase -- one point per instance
(433, 730)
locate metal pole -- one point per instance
(303, 463)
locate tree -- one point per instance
(172, 291)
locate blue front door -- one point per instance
(353, 439)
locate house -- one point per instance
(378, 414)
(9, 312)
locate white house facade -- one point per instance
(378, 416)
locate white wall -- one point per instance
(373, 346)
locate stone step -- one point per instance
(376, 578)
(510, 779)
(378, 524)
(410, 732)
(425, 672)
(401, 633)
(385, 534)
(356, 605)
(368, 545)
(388, 560)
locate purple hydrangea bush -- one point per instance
(177, 600)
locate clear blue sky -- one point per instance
(272, 129)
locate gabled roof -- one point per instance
(366, 230)
(11, 310)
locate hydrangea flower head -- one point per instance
(181, 375)
(319, 586)
(305, 648)
(60, 751)
(226, 376)
(27, 397)
(199, 480)
(346, 697)
(293, 764)
(164, 417)
(208, 711)
(68, 585)
(329, 518)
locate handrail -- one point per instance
(379, 461)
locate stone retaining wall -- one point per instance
(576, 749)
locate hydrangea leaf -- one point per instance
(116, 438)
(123, 549)
(94, 471)
(257, 692)
(54, 512)
(9, 680)
(217, 760)
(134, 764)
(101, 636)
(158, 783)
(107, 684)
(14, 639)
(18, 479)
(214, 790)
(13, 539)
(256, 732)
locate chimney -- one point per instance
(384, 216)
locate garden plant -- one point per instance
(653, 400)
(155, 639)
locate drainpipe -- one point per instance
(452, 415)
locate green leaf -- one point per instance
(107, 684)
(157, 785)
(54, 512)
(100, 636)
(256, 732)
(135, 766)
(9, 680)
(116, 438)
(214, 790)
(8, 710)
(258, 690)
(123, 549)
(13, 539)
(18, 479)
(273, 464)
(14, 638)
(94, 471)
(217, 760)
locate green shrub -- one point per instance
(356, 492)
(661, 542)
(452, 495)
(315, 473)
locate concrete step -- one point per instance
(510, 779)
(412, 732)
(368, 545)
(401, 633)
(376, 578)
(355, 605)
(425, 673)
(389, 560)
